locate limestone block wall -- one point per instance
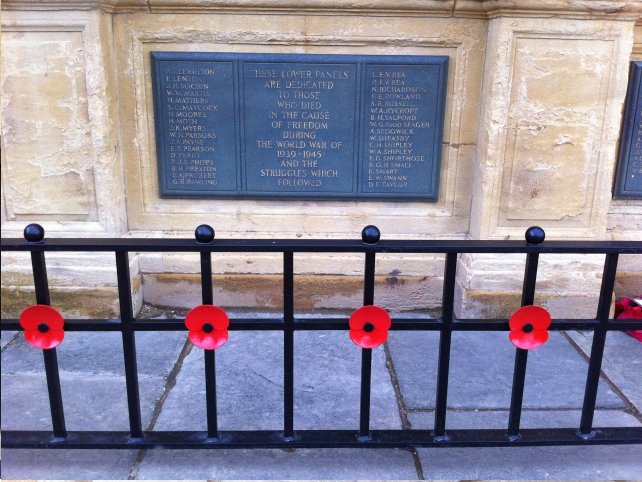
(533, 116)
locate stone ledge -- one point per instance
(591, 9)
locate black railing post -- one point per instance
(204, 234)
(129, 343)
(369, 235)
(597, 348)
(288, 344)
(447, 302)
(34, 233)
(534, 236)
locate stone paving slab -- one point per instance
(250, 385)
(481, 371)
(530, 419)
(97, 402)
(595, 462)
(67, 464)
(622, 362)
(92, 380)
(331, 464)
(6, 337)
(589, 462)
(87, 352)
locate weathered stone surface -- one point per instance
(541, 125)
(481, 372)
(311, 292)
(327, 369)
(481, 419)
(6, 337)
(90, 401)
(533, 463)
(29, 464)
(332, 464)
(60, 163)
(100, 353)
(81, 285)
(622, 362)
(92, 380)
(52, 81)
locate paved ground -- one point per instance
(249, 372)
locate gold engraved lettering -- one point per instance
(189, 102)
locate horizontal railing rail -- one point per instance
(165, 245)
(289, 322)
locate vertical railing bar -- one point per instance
(210, 393)
(369, 279)
(129, 343)
(448, 297)
(55, 394)
(530, 279)
(517, 394)
(366, 376)
(207, 295)
(288, 344)
(40, 280)
(41, 285)
(366, 353)
(597, 348)
(209, 356)
(521, 356)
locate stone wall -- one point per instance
(533, 116)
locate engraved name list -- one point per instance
(298, 126)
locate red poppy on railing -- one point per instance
(629, 309)
(207, 325)
(43, 326)
(529, 327)
(369, 326)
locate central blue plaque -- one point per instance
(299, 126)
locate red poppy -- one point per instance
(628, 309)
(207, 325)
(43, 326)
(369, 326)
(529, 327)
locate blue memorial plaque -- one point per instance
(195, 134)
(400, 138)
(628, 182)
(299, 126)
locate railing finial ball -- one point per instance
(535, 235)
(34, 233)
(204, 234)
(370, 234)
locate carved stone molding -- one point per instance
(593, 9)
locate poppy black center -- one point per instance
(43, 327)
(527, 328)
(368, 327)
(208, 328)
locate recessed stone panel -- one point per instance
(558, 93)
(46, 139)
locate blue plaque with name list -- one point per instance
(299, 126)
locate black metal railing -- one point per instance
(369, 246)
